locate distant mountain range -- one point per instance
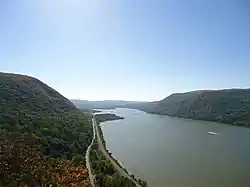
(105, 104)
(230, 106)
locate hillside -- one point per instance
(30, 94)
(230, 106)
(31, 111)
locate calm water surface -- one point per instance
(174, 152)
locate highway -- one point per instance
(87, 158)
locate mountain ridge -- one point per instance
(104, 104)
(230, 106)
(18, 88)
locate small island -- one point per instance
(107, 117)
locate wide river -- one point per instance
(174, 152)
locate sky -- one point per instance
(128, 49)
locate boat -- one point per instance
(212, 133)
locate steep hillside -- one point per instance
(230, 106)
(33, 112)
(29, 106)
(30, 94)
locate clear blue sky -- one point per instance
(127, 49)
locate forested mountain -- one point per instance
(23, 92)
(231, 106)
(31, 111)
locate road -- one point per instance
(87, 158)
(108, 157)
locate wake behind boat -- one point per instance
(212, 133)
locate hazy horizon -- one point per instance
(127, 50)
(155, 100)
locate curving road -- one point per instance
(87, 158)
(108, 157)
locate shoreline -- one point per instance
(187, 118)
(117, 160)
(132, 177)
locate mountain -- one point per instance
(230, 106)
(30, 94)
(105, 104)
(28, 106)
(33, 116)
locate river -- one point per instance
(175, 152)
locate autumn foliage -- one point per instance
(21, 164)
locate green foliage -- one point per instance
(115, 180)
(61, 135)
(106, 175)
(107, 117)
(99, 162)
(225, 106)
(78, 160)
(28, 106)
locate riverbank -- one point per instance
(123, 172)
(169, 151)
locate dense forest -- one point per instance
(107, 117)
(230, 106)
(31, 111)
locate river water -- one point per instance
(174, 152)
